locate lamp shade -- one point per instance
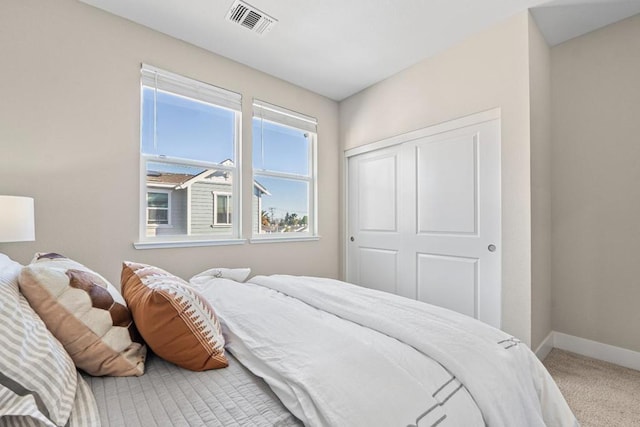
(16, 219)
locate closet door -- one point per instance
(424, 219)
(374, 219)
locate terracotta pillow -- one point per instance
(176, 322)
(86, 314)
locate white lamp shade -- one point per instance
(16, 219)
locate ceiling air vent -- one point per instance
(251, 18)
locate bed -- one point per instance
(300, 351)
(169, 395)
(338, 354)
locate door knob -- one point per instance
(352, 239)
(492, 248)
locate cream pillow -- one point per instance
(86, 314)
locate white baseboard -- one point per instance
(545, 346)
(597, 350)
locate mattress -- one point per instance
(343, 355)
(169, 395)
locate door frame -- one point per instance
(449, 125)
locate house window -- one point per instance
(189, 149)
(284, 172)
(158, 208)
(222, 209)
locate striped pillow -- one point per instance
(38, 379)
(85, 410)
(18, 411)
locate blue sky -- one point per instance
(281, 149)
(186, 129)
(199, 131)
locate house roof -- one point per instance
(179, 181)
(166, 178)
(261, 187)
(214, 175)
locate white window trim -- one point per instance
(288, 118)
(159, 190)
(284, 239)
(201, 92)
(191, 243)
(190, 87)
(284, 116)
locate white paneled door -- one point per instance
(424, 216)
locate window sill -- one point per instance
(284, 239)
(163, 244)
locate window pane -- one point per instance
(186, 128)
(280, 148)
(285, 209)
(158, 200)
(158, 216)
(186, 184)
(223, 209)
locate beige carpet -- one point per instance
(599, 393)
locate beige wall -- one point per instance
(596, 185)
(540, 103)
(69, 137)
(486, 71)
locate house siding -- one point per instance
(202, 208)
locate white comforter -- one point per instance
(342, 355)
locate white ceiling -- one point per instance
(339, 47)
(562, 20)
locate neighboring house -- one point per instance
(179, 203)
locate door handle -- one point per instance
(492, 248)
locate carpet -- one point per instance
(600, 394)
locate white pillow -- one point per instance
(6, 262)
(237, 274)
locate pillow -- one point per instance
(237, 274)
(177, 323)
(86, 313)
(37, 377)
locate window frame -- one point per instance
(287, 118)
(186, 240)
(168, 208)
(217, 194)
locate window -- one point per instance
(222, 209)
(189, 151)
(284, 172)
(158, 208)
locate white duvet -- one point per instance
(342, 355)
